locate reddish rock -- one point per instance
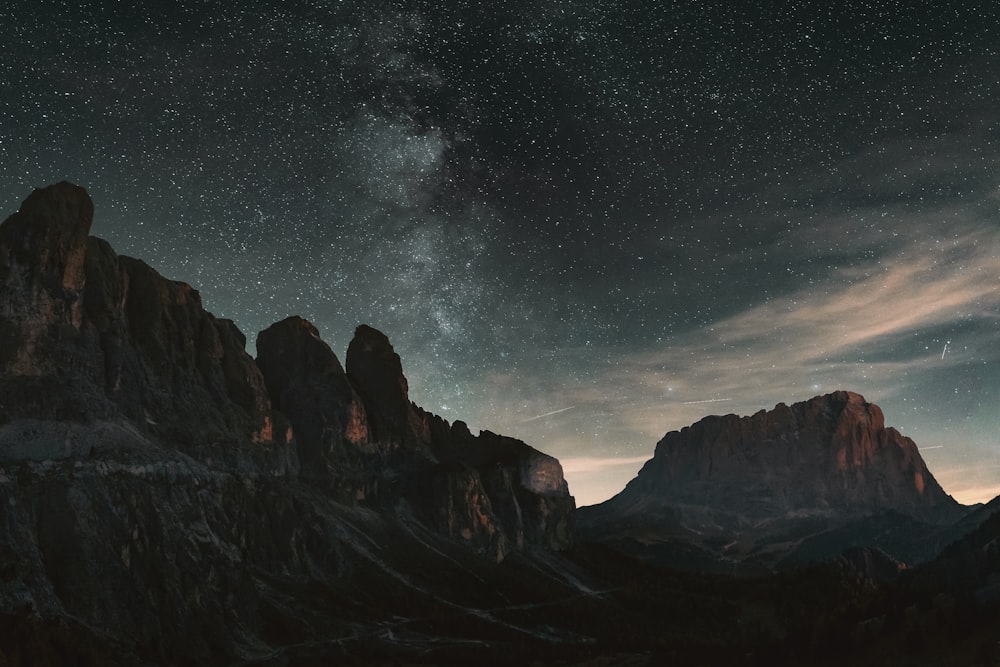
(359, 431)
(105, 343)
(42, 254)
(151, 498)
(87, 334)
(777, 489)
(832, 452)
(496, 493)
(359, 434)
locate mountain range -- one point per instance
(165, 498)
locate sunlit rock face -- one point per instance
(795, 484)
(830, 453)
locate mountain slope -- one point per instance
(798, 482)
(168, 496)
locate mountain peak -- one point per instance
(103, 342)
(42, 251)
(829, 453)
(378, 374)
(792, 484)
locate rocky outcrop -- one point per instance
(359, 432)
(86, 334)
(499, 493)
(91, 337)
(166, 493)
(737, 489)
(306, 383)
(377, 371)
(42, 252)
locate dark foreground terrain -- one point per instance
(526, 612)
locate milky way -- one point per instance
(581, 224)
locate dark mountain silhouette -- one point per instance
(167, 499)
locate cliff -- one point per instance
(86, 335)
(798, 482)
(180, 500)
(360, 436)
(832, 453)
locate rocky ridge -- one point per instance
(357, 430)
(161, 486)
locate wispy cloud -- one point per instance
(851, 328)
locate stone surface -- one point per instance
(93, 337)
(788, 485)
(359, 432)
(831, 453)
(503, 495)
(377, 372)
(42, 252)
(87, 334)
(307, 383)
(153, 511)
(177, 501)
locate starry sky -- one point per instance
(583, 224)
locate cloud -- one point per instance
(859, 307)
(850, 327)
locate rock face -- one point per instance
(307, 383)
(86, 334)
(797, 470)
(830, 453)
(165, 491)
(378, 373)
(359, 431)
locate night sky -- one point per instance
(583, 224)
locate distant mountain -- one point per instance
(791, 485)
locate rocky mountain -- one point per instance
(86, 336)
(163, 490)
(790, 485)
(358, 433)
(167, 499)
